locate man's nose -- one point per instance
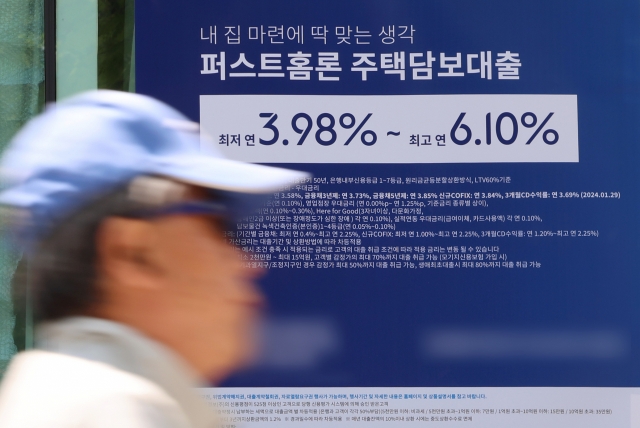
(255, 297)
(250, 290)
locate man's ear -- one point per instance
(125, 251)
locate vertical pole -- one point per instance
(28, 324)
(50, 51)
(50, 96)
(130, 45)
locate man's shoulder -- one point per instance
(63, 386)
(68, 374)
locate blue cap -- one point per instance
(97, 141)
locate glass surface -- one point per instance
(88, 55)
(115, 44)
(21, 97)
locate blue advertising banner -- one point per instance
(472, 220)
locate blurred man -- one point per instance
(138, 293)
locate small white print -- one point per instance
(413, 407)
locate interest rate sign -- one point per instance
(472, 219)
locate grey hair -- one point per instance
(63, 271)
(63, 268)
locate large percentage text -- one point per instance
(325, 134)
(461, 134)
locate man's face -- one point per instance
(212, 296)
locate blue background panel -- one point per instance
(373, 327)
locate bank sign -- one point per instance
(472, 219)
